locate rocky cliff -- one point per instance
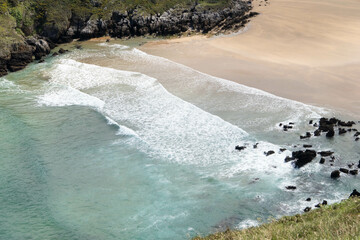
(135, 21)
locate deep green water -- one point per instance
(111, 143)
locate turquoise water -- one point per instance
(111, 143)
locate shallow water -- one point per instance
(109, 142)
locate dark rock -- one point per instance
(357, 139)
(326, 125)
(351, 165)
(324, 202)
(41, 61)
(41, 47)
(307, 209)
(288, 159)
(330, 133)
(240, 148)
(322, 161)
(318, 205)
(303, 158)
(308, 199)
(307, 135)
(255, 145)
(280, 125)
(55, 54)
(61, 51)
(357, 134)
(307, 146)
(291, 123)
(354, 172)
(326, 153)
(290, 187)
(311, 122)
(253, 14)
(346, 124)
(282, 149)
(21, 56)
(355, 193)
(107, 40)
(342, 131)
(334, 121)
(317, 133)
(269, 153)
(344, 170)
(335, 174)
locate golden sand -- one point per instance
(306, 50)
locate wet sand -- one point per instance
(307, 51)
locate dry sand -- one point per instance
(307, 51)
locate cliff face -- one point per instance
(46, 25)
(175, 20)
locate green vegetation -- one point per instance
(19, 18)
(337, 221)
(32, 16)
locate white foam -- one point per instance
(114, 46)
(123, 131)
(207, 92)
(83, 76)
(247, 224)
(6, 84)
(69, 96)
(172, 128)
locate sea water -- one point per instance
(108, 142)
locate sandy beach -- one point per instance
(303, 50)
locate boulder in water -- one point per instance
(303, 157)
(335, 174)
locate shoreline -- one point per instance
(300, 61)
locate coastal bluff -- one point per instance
(27, 38)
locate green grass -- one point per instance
(337, 221)
(8, 33)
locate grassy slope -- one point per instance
(337, 221)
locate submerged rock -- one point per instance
(269, 153)
(335, 174)
(326, 153)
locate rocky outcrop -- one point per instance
(21, 53)
(20, 56)
(133, 22)
(303, 157)
(176, 20)
(40, 47)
